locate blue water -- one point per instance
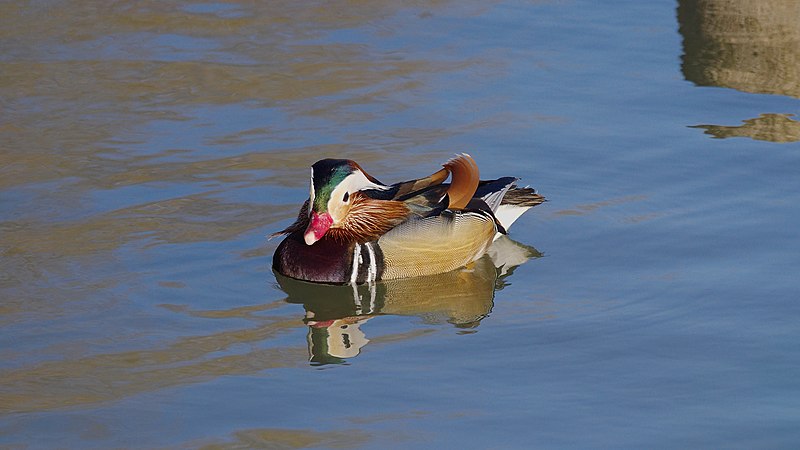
(149, 149)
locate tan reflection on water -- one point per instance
(462, 297)
(291, 439)
(766, 127)
(81, 87)
(589, 208)
(107, 377)
(751, 46)
(66, 115)
(334, 314)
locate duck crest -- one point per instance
(355, 229)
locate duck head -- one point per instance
(334, 182)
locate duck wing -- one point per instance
(407, 189)
(465, 179)
(430, 196)
(429, 202)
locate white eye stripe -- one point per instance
(354, 182)
(357, 181)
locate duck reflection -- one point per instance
(335, 314)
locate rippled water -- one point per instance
(147, 148)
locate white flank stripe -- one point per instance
(373, 265)
(356, 262)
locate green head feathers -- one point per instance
(325, 176)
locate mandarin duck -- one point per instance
(355, 229)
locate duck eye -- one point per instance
(346, 197)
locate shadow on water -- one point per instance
(748, 46)
(334, 314)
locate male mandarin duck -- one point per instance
(355, 229)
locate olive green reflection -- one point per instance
(766, 127)
(462, 297)
(751, 46)
(288, 439)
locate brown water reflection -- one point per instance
(91, 94)
(751, 46)
(462, 297)
(67, 113)
(107, 377)
(289, 439)
(333, 314)
(766, 127)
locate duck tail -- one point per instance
(514, 204)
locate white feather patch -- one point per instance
(356, 263)
(372, 273)
(508, 214)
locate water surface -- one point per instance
(148, 148)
